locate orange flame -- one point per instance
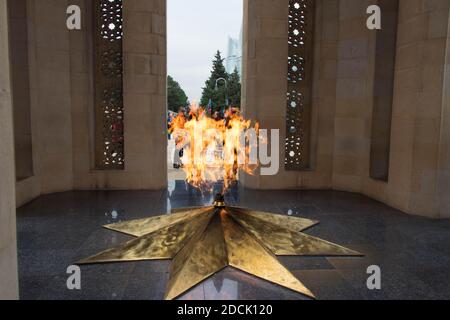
(215, 150)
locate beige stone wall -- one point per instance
(417, 106)
(265, 85)
(51, 88)
(324, 96)
(82, 95)
(443, 186)
(417, 109)
(354, 96)
(8, 252)
(20, 86)
(264, 74)
(345, 52)
(144, 48)
(383, 90)
(50, 91)
(145, 92)
(62, 109)
(428, 117)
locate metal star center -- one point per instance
(202, 241)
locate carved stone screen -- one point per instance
(299, 79)
(109, 134)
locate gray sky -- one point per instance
(196, 29)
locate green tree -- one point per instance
(234, 89)
(218, 97)
(176, 97)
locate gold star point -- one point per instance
(201, 241)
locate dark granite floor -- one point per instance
(56, 230)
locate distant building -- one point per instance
(234, 54)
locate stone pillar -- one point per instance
(18, 42)
(144, 90)
(425, 77)
(8, 247)
(417, 115)
(82, 99)
(145, 73)
(50, 89)
(324, 96)
(25, 138)
(443, 186)
(417, 119)
(265, 87)
(354, 96)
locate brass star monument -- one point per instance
(204, 240)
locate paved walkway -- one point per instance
(173, 174)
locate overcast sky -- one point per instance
(196, 29)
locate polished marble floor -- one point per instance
(56, 230)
